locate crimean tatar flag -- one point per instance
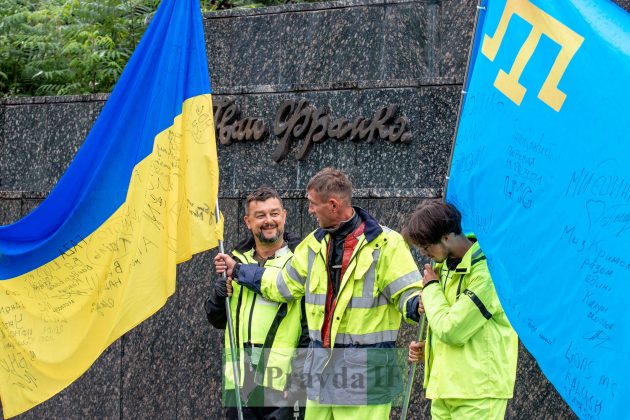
(540, 172)
(98, 256)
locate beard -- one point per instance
(273, 239)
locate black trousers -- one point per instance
(257, 406)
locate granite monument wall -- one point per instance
(369, 86)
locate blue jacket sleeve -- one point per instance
(250, 276)
(412, 309)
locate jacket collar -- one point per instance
(471, 257)
(372, 228)
(248, 255)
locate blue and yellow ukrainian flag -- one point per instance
(540, 172)
(98, 256)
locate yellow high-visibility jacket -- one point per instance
(471, 348)
(268, 331)
(379, 280)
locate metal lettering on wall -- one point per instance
(231, 128)
(299, 120)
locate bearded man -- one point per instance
(266, 333)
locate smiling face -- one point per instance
(322, 209)
(266, 220)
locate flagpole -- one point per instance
(233, 349)
(412, 371)
(463, 95)
(412, 367)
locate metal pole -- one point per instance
(463, 95)
(412, 372)
(233, 349)
(448, 176)
(412, 366)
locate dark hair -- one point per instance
(331, 181)
(263, 193)
(430, 221)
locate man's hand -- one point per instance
(420, 305)
(223, 263)
(416, 351)
(429, 275)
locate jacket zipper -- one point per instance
(251, 311)
(238, 316)
(251, 315)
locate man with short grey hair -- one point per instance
(359, 280)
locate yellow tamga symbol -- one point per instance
(542, 23)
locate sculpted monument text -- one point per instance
(298, 120)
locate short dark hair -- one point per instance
(430, 221)
(331, 181)
(262, 193)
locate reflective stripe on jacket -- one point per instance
(253, 318)
(380, 278)
(471, 348)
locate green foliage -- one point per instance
(62, 47)
(66, 47)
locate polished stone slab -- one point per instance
(303, 44)
(10, 210)
(149, 365)
(422, 163)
